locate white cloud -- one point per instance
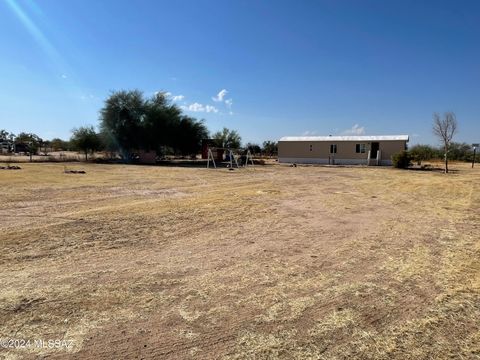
(178, 97)
(210, 108)
(168, 94)
(309, 133)
(355, 130)
(229, 103)
(197, 107)
(221, 94)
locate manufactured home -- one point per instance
(340, 150)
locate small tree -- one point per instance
(459, 151)
(6, 136)
(254, 148)
(33, 141)
(86, 139)
(7, 140)
(227, 138)
(58, 144)
(423, 152)
(445, 129)
(270, 148)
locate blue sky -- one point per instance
(286, 67)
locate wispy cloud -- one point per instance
(197, 107)
(210, 108)
(309, 133)
(355, 130)
(178, 97)
(168, 94)
(220, 96)
(87, 96)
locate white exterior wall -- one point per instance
(291, 160)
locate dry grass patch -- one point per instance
(271, 262)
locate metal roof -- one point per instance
(346, 138)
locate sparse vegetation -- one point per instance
(445, 129)
(275, 262)
(402, 160)
(270, 148)
(86, 140)
(421, 153)
(227, 138)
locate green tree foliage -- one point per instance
(457, 152)
(58, 144)
(424, 152)
(227, 138)
(460, 151)
(161, 125)
(86, 139)
(190, 133)
(33, 141)
(254, 148)
(122, 120)
(129, 122)
(6, 140)
(402, 160)
(45, 147)
(270, 148)
(6, 136)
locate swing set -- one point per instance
(233, 158)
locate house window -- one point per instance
(311, 147)
(333, 148)
(360, 148)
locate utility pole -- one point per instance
(475, 146)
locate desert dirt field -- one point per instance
(131, 262)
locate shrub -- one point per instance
(402, 160)
(425, 152)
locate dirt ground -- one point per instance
(131, 262)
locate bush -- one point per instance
(421, 153)
(402, 160)
(460, 152)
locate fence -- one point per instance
(54, 156)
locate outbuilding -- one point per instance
(340, 150)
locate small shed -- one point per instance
(216, 152)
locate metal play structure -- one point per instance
(232, 157)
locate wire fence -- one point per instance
(63, 156)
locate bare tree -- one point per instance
(445, 129)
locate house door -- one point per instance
(374, 147)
